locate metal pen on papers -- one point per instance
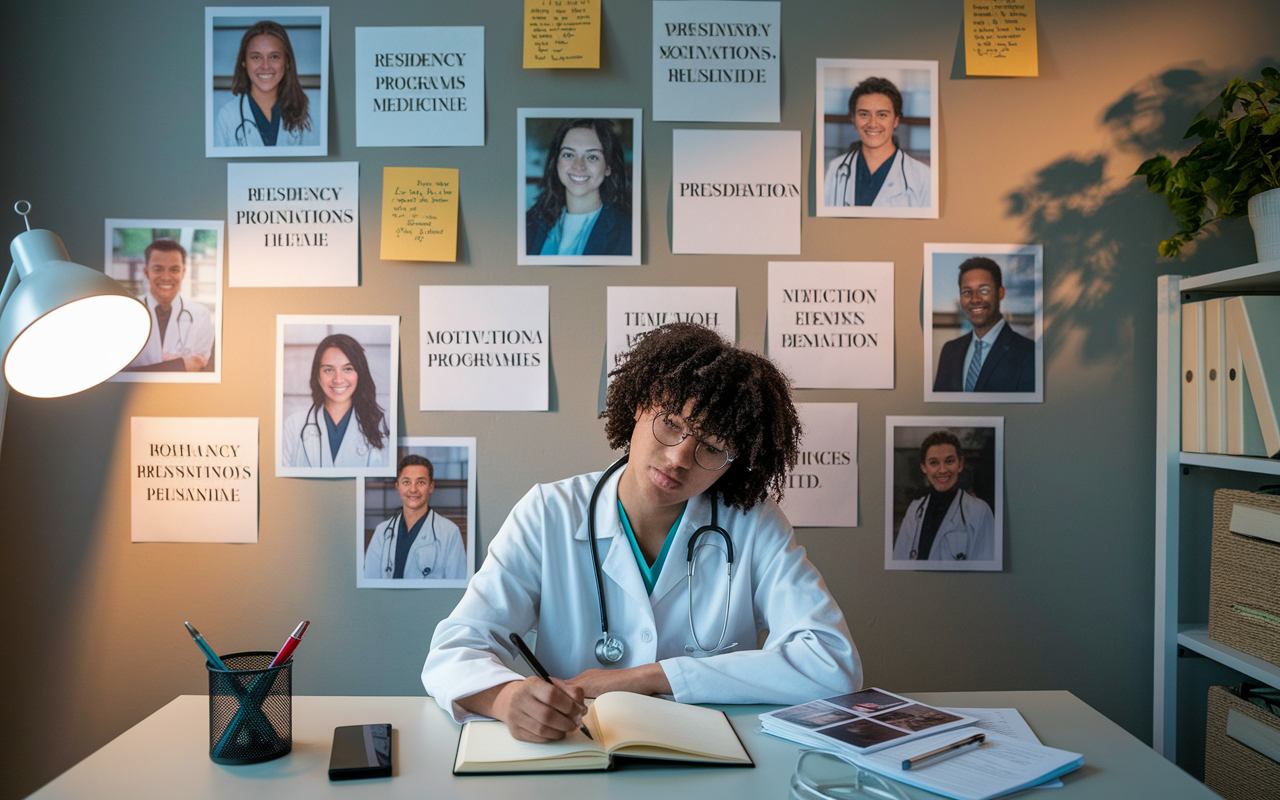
(943, 753)
(538, 668)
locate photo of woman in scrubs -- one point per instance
(268, 107)
(584, 200)
(345, 426)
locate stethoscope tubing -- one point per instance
(845, 170)
(920, 515)
(389, 537)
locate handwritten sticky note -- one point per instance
(1000, 38)
(419, 214)
(560, 34)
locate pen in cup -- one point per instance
(947, 751)
(528, 656)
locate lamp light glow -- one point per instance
(77, 346)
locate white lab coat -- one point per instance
(305, 443)
(189, 332)
(234, 126)
(906, 186)
(538, 574)
(437, 551)
(967, 531)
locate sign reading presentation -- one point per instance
(1000, 38)
(716, 60)
(831, 323)
(735, 191)
(561, 34)
(632, 310)
(484, 348)
(419, 87)
(822, 490)
(419, 214)
(294, 224)
(194, 479)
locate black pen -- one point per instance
(538, 668)
(946, 751)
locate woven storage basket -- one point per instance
(1231, 769)
(1245, 574)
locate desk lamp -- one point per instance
(63, 327)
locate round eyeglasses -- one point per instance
(671, 433)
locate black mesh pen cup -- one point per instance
(250, 709)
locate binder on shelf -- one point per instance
(1215, 400)
(1193, 400)
(1244, 435)
(1256, 320)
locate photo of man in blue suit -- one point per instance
(991, 357)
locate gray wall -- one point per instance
(103, 118)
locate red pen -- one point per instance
(290, 644)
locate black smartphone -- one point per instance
(360, 751)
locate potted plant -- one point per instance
(1234, 170)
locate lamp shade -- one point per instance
(65, 327)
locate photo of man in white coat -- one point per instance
(416, 542)
(947, 523)
(182, 332)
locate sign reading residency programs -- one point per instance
(484, 348)
(419, 87)
(716, 61)
(633, 310)
(822, 489)
(735, 191)
(294, 224)
(831, 323)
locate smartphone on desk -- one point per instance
(360, 751)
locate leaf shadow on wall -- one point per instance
(1100, 226)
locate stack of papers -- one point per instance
(862, 722)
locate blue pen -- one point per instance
(204, 646)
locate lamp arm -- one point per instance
(10, 283)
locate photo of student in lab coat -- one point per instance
(942, 504)
(336, 412)
(877, 131)
(414, 530)
(175, 268)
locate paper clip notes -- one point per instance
(561, 34)
(419, 214)
(1000, 38)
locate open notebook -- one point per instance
(622, 724)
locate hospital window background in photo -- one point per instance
(909, 483)
(304, 36)
(449, 500)
(913, 131)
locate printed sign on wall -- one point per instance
(632, 310)
(419, 87)
(484, 348)
(735, 191)
(822, 490)
(294, 224)
(194, 479)
(716, 61)
(831, 323)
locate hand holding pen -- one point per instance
(533, 662)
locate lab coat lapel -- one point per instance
(619, 562)
(675, 570)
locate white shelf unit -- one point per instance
(1176, 626)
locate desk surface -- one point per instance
(166, 755)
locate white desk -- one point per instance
(166, 755)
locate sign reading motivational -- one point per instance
(822, 490)
(484, 348)
(560, 34)
(419, 214)
(632, 310)
(831, 323)
(716, 60)
(294, 224)
(419, 87)
(735, 191)
(194, 479)
(1000, 38)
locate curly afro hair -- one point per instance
(738, 396)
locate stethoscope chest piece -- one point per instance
(610, 650)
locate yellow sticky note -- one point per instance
(419, 214)
(1000, 38)
(562, 34)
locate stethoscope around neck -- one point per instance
(389, 536)
(845, 170)
(920, 516)
(610, 649)
(177, 326)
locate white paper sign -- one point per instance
(294, 224)
(194, 479)
(484, 348)
(419, 87)
(735, 191)
(716, 60)
(632, 310)
(822, 490)
(831, 323)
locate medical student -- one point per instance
(584, 200)
(182, 332)
(416, 542)
(268, 107)
(345, 426)
(875, 171)
(710, 431)
(948, 523)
